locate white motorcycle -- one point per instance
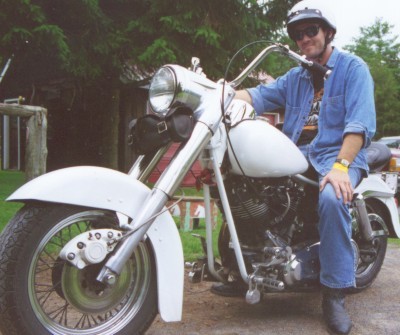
(95, 251)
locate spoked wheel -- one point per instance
(370, 254)
(42, 294)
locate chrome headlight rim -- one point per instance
(162, 91)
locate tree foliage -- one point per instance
(93, 38)
(381, 51)
(94, 41)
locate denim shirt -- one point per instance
(347, 106)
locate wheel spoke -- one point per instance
(44, 265)
(59, 314)
(73, 299)
(43, 296)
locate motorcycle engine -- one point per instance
(258, 204)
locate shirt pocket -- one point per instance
(334, 112)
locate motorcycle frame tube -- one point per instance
(306, 180)
(229, 220)
(209, 238)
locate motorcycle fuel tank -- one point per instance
(263, 151)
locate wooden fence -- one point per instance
(36, 137)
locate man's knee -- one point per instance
(327, 197)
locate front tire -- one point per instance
(42, 294)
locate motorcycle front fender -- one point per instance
(374, 187)
(108, 189)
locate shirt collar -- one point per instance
(333, 58)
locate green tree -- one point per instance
(381, 51)
(93, 41)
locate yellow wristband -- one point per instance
(340, 167)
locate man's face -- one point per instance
(310, 38)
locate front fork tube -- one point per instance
(114, 265)
(362, 218)
(145, 164)
(164, 189)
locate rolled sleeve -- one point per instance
(357, 128)
(268, 97)
(257, 100)
(360, 104)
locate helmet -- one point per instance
(310, 10)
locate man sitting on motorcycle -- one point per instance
(332, 122)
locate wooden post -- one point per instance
(36, 148)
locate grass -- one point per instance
(192, 248)
(395, 241)
(9, 182)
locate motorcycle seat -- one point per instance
(378, 156)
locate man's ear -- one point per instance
(329, 34)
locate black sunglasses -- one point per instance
(310, 31)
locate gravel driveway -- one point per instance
(376, 311)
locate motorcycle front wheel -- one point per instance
(42, 294)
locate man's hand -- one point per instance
(341, 183)
(338, 177)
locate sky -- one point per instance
(350, 15)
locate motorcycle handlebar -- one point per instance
(307, 64)
(283, 49)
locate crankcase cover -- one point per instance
(263, 151)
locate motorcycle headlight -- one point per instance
(162, 90)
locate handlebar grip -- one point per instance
(318, 68)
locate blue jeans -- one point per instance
(336, 253)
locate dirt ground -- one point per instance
(375, 311)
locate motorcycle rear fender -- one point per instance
(375, 187)
(108, 189)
